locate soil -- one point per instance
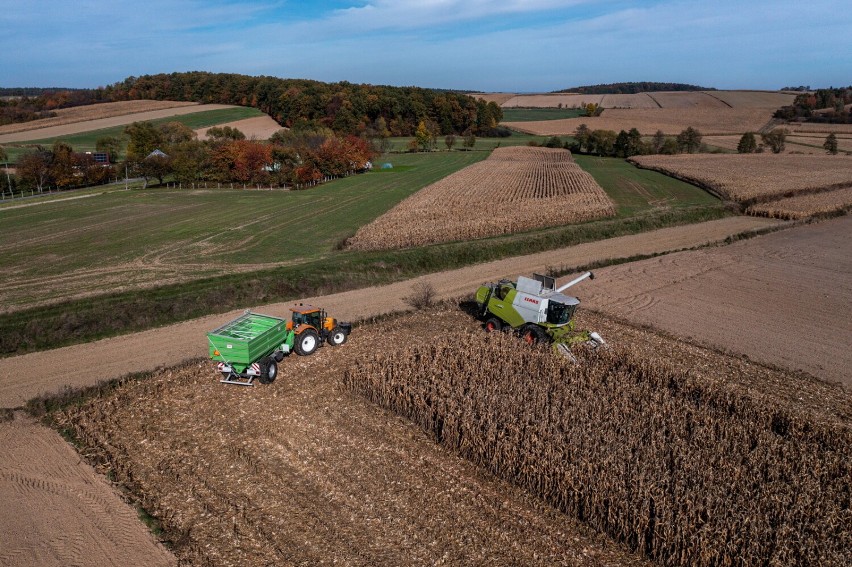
(257, 128)
(57, 511)
(95, 122)
(782, 299)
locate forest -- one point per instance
(633, 88)
(823, 105)
(344, 107)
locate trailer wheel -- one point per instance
(493, 324)
(268, 370)
(307, 342)
(533, 334)
(279, 355)
(337, 337)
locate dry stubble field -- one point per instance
(301, 471)
(751, 179)
(514, 189)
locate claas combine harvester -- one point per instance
(536, 310)
(252, 345)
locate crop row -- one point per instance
(805, 206)
(515, 189)
(684, 469)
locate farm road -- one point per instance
(23, 377)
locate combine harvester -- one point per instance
(252, 345)
(536, 311)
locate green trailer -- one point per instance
(249, 347)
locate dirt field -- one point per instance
(687, 100)
(643, 100)
(93, 112)
(56, 511)
(131, 353)
(93, 121)
(648, 121)
(258, 128)
(782, 298)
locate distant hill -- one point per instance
(33, 91)
(633, 88)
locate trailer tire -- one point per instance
(279, 355)
(337, 337)
(493, 324)
(307, 342)
(268, 370)
(533, 335)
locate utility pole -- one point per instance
(8, 180)
(125, 176)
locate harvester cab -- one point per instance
(312, 327)
(536, 309)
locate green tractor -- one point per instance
(536, 310)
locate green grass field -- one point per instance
(535, 114)
(85, 141)
(636, 190)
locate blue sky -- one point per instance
(486, 45)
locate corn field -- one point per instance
(515, 189)
(677, 466)
(805, 206)
(750, 179)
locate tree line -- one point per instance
(27, 104)
(298, 157)
(831, 102)
(627, 143)
(633, 88)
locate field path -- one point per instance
(22, 377)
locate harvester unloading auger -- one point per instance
(535, 309)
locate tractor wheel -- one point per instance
(493, 324)
(533, 335)
(268, 370)
(307, 342)
(337, 337)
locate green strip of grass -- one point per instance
(84, 320)
(535, 114)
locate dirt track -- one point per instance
(87, 364)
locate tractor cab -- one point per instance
(311, 316)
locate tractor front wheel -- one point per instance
(533, 334)
(337, 337)
(493, 324)
(268, 371)
(307, 342)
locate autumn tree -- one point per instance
(62, 166)
(222, 133)
(602, 142)
(33, 169)
(689, 140)
(450, 141)
(189, 161)
(469, 140)
(111, 145)
(143, 138)
(830, 144)
(657, 142)
(172, 133)
(775, 139)
(747, 144)
(581, 137)
(423, 136)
